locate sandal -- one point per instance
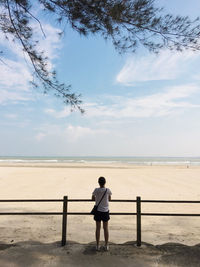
(106, 248)
(97, 248)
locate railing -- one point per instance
(65, 212)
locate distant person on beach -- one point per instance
(102, 211)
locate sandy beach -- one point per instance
(53, 181)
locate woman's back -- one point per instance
(104, 204)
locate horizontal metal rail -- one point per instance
(112, 200)
(170, 214)
(90, 200)
(170, 201)
(31, 200)
(61, 200)
(88, 213)
(65, 212)
(31, 213)
(61, 213)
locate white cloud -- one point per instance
(11, 116)
(12, 96)
(67, 132)
(164, 66)
(155, 105)
(171, 100)
(16, 72)
(47, 130)
(14, 82)
(14, 75)
(77, 132)
(59, 114)
(51, 44)
(40, 136)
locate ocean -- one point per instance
(142, 161)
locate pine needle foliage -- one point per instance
(128, 23)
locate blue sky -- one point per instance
(136, 104)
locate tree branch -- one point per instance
(33, 17)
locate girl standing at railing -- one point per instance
(102, 195)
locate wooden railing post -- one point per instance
(64, 220)
(138, 205)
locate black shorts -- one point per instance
(102, 216)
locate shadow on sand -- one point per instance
(31, 253)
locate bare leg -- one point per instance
(106, 233)
(98, 228)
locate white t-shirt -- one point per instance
(98, 193)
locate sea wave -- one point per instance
(105, 160)
(27, 160)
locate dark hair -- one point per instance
(102, 180)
